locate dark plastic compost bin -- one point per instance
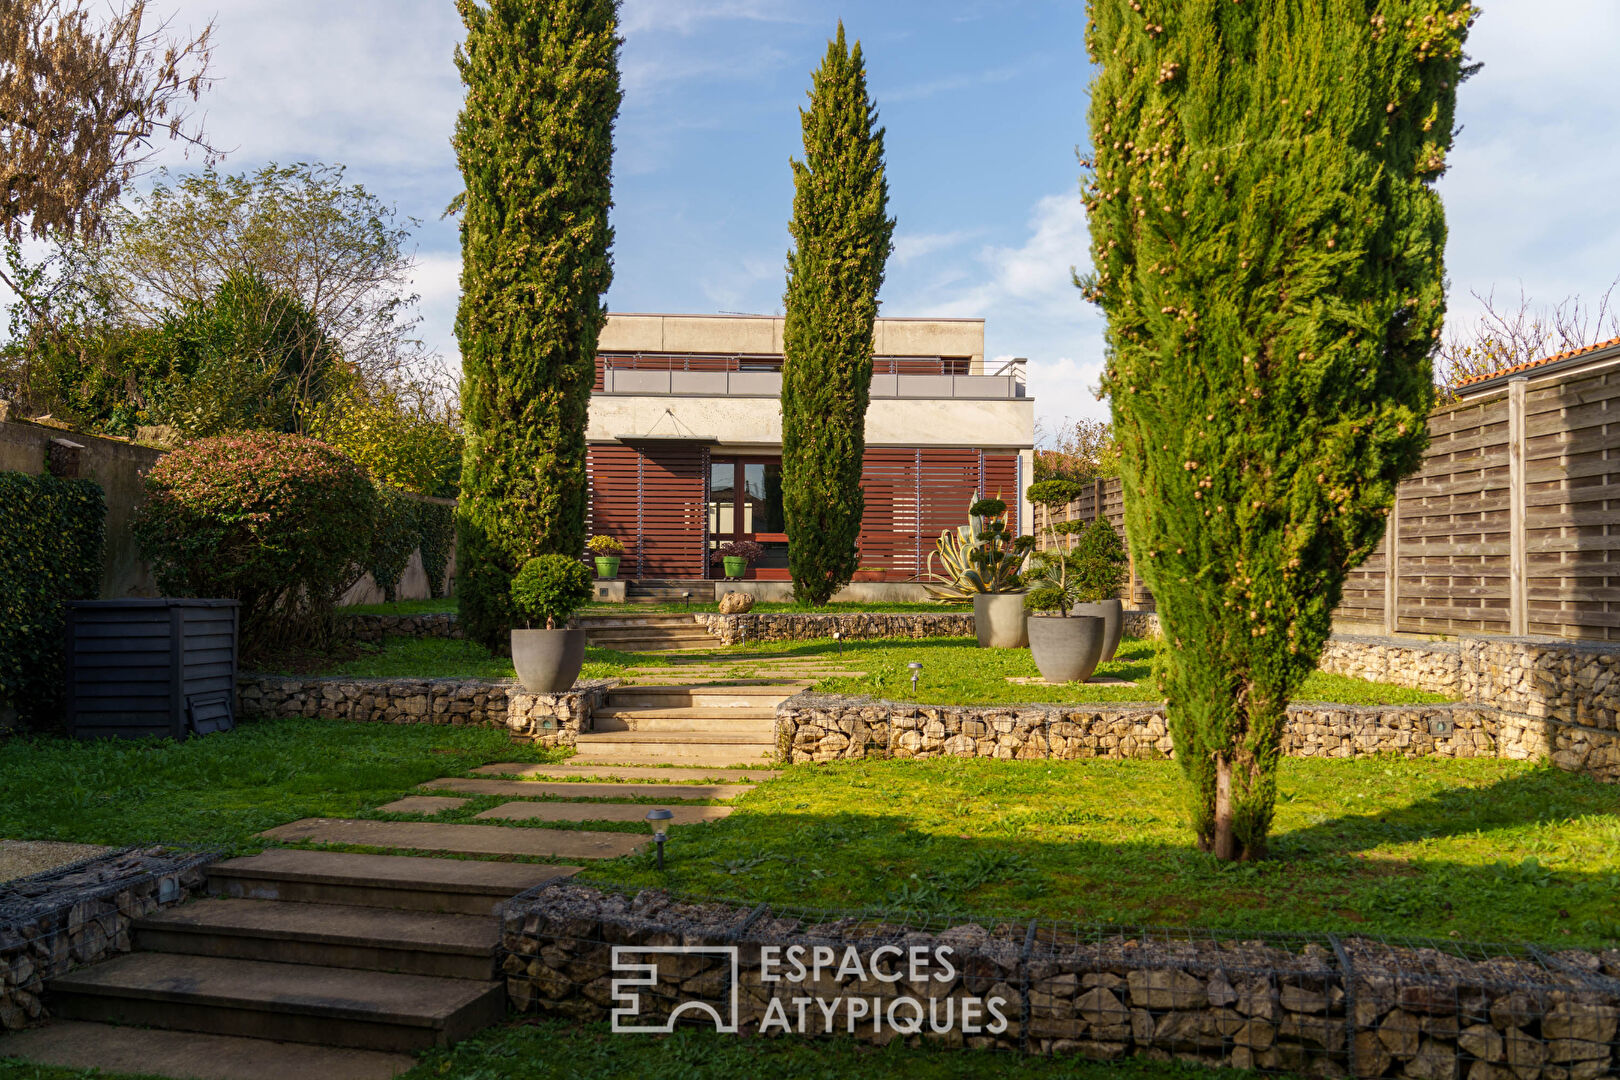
(138, 668)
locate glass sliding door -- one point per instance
(745, 503)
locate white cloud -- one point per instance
(685, 16)
(909, 247)
(934, 87)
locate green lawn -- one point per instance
(1481, 849)
(553, 1049)
(955, 671)
(218, 792)
(449, 603)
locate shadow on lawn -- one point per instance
(1317, 881)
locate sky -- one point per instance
(983, 102)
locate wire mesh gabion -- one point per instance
(1313, 1005)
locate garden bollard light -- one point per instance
(838, 637)
(916, 671)
(686, 601)
(655, 821)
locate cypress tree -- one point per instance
(1267, 247)
(842, 237)
(535, 145)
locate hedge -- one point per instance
(52, 533)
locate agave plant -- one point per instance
(982, 556)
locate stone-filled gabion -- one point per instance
(791, 626)
(550, 719)
(373, 628)
(827, 727)
(1315, 1007)
(58, 920)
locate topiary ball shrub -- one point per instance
(552, 588)
(1100, 562)
(280, 523)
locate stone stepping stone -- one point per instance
(458, 839)
(423, 804)
(669, 774)
(537, 789)
(586, 811)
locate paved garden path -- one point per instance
(341, 965)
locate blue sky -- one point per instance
(984, 103)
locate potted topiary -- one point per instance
(1065, 647)
(1100, 567)
(738, 556)
(550, 588)
(606, 551)
(984, 561)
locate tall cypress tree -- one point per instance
(535, 145)
(842, 237)
(1267, 245)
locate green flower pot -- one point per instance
(607, 566)
(736, 566)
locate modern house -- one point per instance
(686, 441)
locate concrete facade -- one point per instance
(714, 380)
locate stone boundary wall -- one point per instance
(549, 719)
(830, 727)
(792, 626)
(1320, 1007)
(53, 922)
(374, 628)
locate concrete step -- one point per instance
(76, 1044)
(620, 758)
(534, 789)
(676, 621)
(458, 839)
(406, 882)
(655, 645)
(330, 935)
(743, 695)
(367, 1010)
(608, 639)
(760, 737)
(582, 772)
(677, 724)
(600, 811)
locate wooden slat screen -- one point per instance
(913, 495)
(1452, 521)
(1572, 506)
(652, 499)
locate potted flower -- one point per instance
(738, 555)
(606, 551)
(549, 588)
(1066, 648)
(1100, 566)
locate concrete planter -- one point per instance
(607, 566)
(548, 661)
(1112, 612)
(998, 620)
(1067, 649)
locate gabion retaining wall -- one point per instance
(550, 719)
(791, 626)
(78, 914)
(1316, 1006)
(830, 727)
(373, 628)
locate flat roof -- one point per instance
(740, 315)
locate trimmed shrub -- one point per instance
(51, 537)
(1100, 561)
(552, 588)
(280, 523)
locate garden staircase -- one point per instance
(702, 724)
(304, 964)
(647, 633)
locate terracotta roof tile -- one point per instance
(1516, 368)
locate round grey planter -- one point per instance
(998, 620)
(1113, 614)
(548, 661)
(1066, 649)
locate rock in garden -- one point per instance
(736, 603)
